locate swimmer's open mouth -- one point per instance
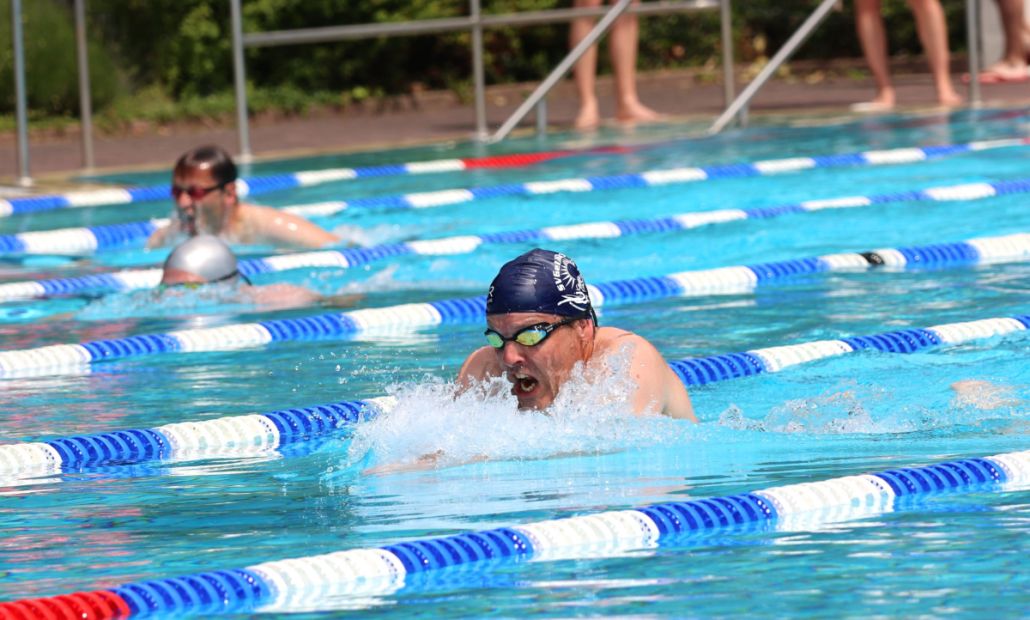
(523, 384)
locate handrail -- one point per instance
(474, 23)
(599, 29)
(810, 24)
(784, 53)
(352, 32)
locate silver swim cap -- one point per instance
(205, 256)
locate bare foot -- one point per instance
(949, 98)
(636, 112)
(589, 117)
(882, 102)
(1004, 71)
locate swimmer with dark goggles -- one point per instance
(541, 324)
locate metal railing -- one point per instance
(475, 22)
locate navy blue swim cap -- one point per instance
(540, 281)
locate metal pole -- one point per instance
(973, 42)
(728, 88)
(478, 73)
(560, 71)
(541, 117)
(240, 81)
(23, 179)
(781, 56)
(85, 97)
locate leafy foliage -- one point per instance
(51, 69)
(182, 48)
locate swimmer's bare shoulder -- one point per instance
(658, 387)
(161, 236)
(269, 224)
(480, 364)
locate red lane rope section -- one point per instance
(97, 605)
(528, 159)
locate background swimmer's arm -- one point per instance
(657, 385)
(983, 395)
(160, 236)
(281, 296)
(341, 300)
(287, 228)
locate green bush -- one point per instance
(51, 69)
(177, 54)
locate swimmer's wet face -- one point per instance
(536, 372)
(541, 323)
(205, 204)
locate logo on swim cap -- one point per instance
(567, 278)
(540, 281)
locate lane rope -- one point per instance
(85, 241)
(81, 240)
(256, 185)
(249, 434)
(721, 280)
(300, 583)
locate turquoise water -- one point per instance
(943, 556)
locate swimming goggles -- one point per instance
(195, 285)
(527, 336)
(193, 191)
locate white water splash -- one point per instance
(431, 426)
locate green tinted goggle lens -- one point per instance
(527, 336)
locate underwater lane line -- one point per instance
(250, 434)
(722, 280)
(298, 583)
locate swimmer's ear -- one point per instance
(230, 191)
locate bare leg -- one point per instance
(1013, 64)
(585, 71)
(933, 34)
(873, 38)
(624, 41)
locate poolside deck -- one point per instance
(435, 117)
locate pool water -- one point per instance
(948, 555)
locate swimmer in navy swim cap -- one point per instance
(540, 325)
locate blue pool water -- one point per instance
(937, 556)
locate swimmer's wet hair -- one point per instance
(215, 157)
(540, 281)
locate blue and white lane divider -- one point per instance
(302, 583)
(84, 241)
(238, 435)
(235, 435)
(253, 186)
(87, 240)
(259, 185)
(722, 280)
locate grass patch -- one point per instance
(152, 106)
